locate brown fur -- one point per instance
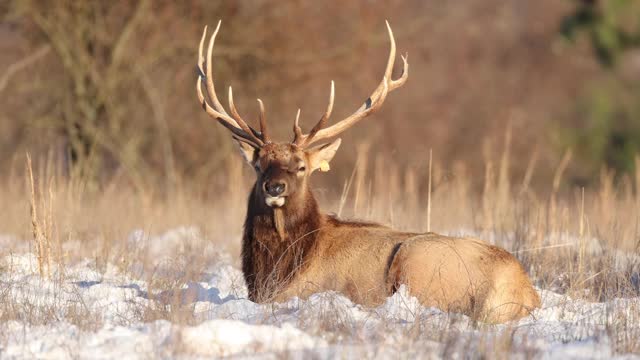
(367, 262)
(270, 262)
(310, 252)
(464, 275)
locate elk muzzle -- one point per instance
(274, 191)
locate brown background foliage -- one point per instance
(480, 70)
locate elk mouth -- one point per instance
(274, 201)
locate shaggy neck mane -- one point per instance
(268, 260)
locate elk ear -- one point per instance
(249, 153)
(320, 156)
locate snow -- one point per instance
(86, 313)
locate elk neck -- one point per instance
(268, 258)
(302, 217)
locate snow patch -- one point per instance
(325, 325)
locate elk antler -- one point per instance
(373, 102)
(241, 131)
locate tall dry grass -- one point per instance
(580, 242)
(505, 211)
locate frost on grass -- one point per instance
(122, 311)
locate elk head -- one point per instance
(283, 168)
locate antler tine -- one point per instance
(240, 121)
(297, 131)
(241, 133)
(405, 73)
(225, 120)
(200, 57)
(372, 103)
(263, 123)
(323, 120)
(210, 87)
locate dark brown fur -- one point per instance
(269, 262)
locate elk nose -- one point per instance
(275, 188)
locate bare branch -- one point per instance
(22, 64)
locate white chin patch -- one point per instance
(274, 201)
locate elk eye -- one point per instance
(302, 168)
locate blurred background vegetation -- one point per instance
(107, 88)
(610, 109)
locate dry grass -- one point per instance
(571, 241)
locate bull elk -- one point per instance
(290, 248)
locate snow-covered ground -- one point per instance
(110, 314)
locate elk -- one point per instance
(290, 248)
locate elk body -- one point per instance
(290, 248)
